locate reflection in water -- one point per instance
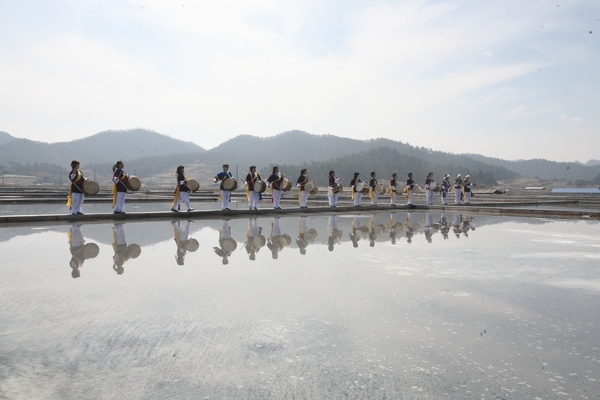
(80, 250)
(182, 239)
(444, 226)
(305, 235)
(277, 240)
(227, 244)
(409, 228)
(334, 233)
(123, 252)
(255, 240)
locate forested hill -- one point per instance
(5, 137)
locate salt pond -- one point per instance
(403, 305)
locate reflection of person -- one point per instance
(182, 191)
(80, 251)
(429, 231)
(123, 252)
(333, 182)
(254, 239)
(226, 243)
(372, 193)
(457, 189)
(410, 185)
(444, 188)
(408, 228)
(182, 239)
(356, 195)
(333, 231)
(392, 228)
(429, 186)
(444, 226)
(356, 230)
(393, 183)
(76, 196)
(372, 230)
(277, 241)
(456, 225)
(119, 189)
(467, 225)
(302, 193)
(274, 181)
(302, 240)
(225, 195)
(253, 195)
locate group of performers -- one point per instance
(277, 183)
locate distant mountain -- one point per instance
(101, 147)
(592, 163)
(5, 137)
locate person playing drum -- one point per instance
(429, 186)
(410, 184)
(119, 189)
(303, 195)
(274, 183)
(444, 187)
(393, 183)
(251, 179)
(76, 196)
(356, 194)
(333, 183)
(458, 183)
(224, 194)
(182, 191)
(372, 193)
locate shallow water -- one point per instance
(400, 305)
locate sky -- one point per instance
(513, 79)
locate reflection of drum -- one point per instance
(378, 188)
(365, 190)
(283, 240)
(228, 244)
(90, 188)
(260, 186)
(285, 185)
(133, 183)
(230, 184)
(359, 186)
(378, 230)
(308, 237)
(193, 185)
(337, 188)
(309, 186)
(192, 245)
(90, 250)
(134, 250)
(313, 232)
(259, 241)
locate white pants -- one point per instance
(411, 196)
(76, 202)
(375, 197)
(393, 197)
(457, 193)
(333, 199)
(120, 204)
(444, 197)
(303, 198)
(467, 197)
(253, 201)
(357, 198)
(276, 197)
(429, 196)
(184, 197)
(225, 197)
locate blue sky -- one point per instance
(511, 79)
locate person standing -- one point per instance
(444, 188)
(333, 184)
(182, 191)
(356, 194)
(76, 196)
(410, 185)
(468, 186)
(274, 181)
(251, 179)
(372, 193)
(458, 183)
(429, 186)
(302, 193)
(393, 183)
(119, 189)
(224, 194)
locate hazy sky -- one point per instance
(515, 79)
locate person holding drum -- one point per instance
(393, 183)
(334, 189)
(429, 186)
(303, 194)
(356, 192)
(119, 189)
(76, 195)
(410, 185)
(252, 178)
(274, 182)
(458, 183)
(182, 191)
(444, 187)
(468, 186)
(372, 192)
(224, 194)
